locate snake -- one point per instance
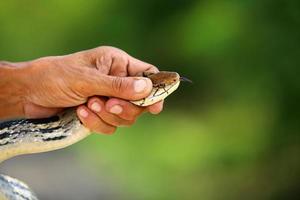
(27, 136)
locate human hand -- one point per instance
(51, 84)
(113, 112)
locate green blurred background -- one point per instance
(232, 134)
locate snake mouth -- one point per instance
(166, 91)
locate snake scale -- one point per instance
(26, 136)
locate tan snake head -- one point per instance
(164, 83)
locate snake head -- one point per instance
(164, 83)
(164, 78)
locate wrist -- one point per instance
(12, 89)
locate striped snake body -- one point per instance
(25, 136)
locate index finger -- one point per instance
(137, 67)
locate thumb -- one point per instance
(129, 88)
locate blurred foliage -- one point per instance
(232, 134)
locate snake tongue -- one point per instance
(185, 79)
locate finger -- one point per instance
(98, 102)
(137, 67)
(156, 108)
(116, 62)
(119, 66)
(123, 109)
(93, 122)
(115, 66)
(92, 82)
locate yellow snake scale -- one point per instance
(25, 136)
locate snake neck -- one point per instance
(32, 136)
(39, 135)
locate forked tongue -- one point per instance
(184, 79)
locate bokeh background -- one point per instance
(232, 134)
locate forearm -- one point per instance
(11, 90)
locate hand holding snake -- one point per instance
(47, 85)
(43, 88)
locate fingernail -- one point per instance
(140, 85)
(116, 109)
(83, 113)
(96, 107)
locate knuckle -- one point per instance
(132, 114)
(116, 122)
(98, 129)
(118, 84)
(130, 117)
(109, 130)
(119, 122)
(102, 128)
(95, 127)
(126, 62)
(123, 59)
